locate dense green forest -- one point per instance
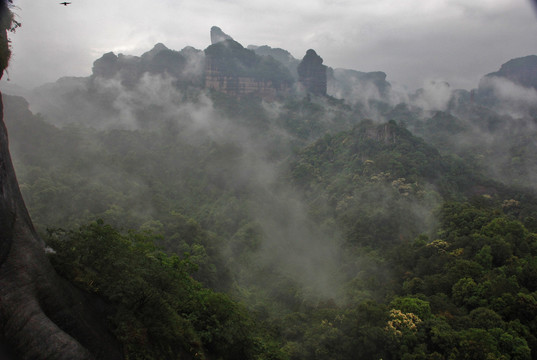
(215, 227)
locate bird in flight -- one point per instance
(65, 3)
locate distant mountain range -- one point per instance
(228, 67)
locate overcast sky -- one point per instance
(411, 40)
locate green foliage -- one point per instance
(367, 179)
(412, 305)
(482, 254)
(160, 312)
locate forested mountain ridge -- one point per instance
(218, 226)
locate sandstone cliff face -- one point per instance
(239, 86)
(234, 70)
(41, 316)
(383, 134)
(312, 73)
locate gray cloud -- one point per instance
(434, 96)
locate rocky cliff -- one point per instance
(41, 315)
(234, 70)
(220, 80)
(312, 73)
(385, 133)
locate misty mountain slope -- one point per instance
(218, 160)
(508, 143)
(221, 171)
(355, 179)
(492, 127)
(501, 146)
(381, 211)
(382, 184)
(119, 269)
(373, 174)
(225, 140)
(212, 141)
(149, 297)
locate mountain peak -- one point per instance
(312, 73)
(158, 48)
(217, 35)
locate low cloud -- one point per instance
(508, 98)
(433, 96)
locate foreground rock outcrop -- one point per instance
(41, 315)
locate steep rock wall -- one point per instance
(217, 79)
(236, 71)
